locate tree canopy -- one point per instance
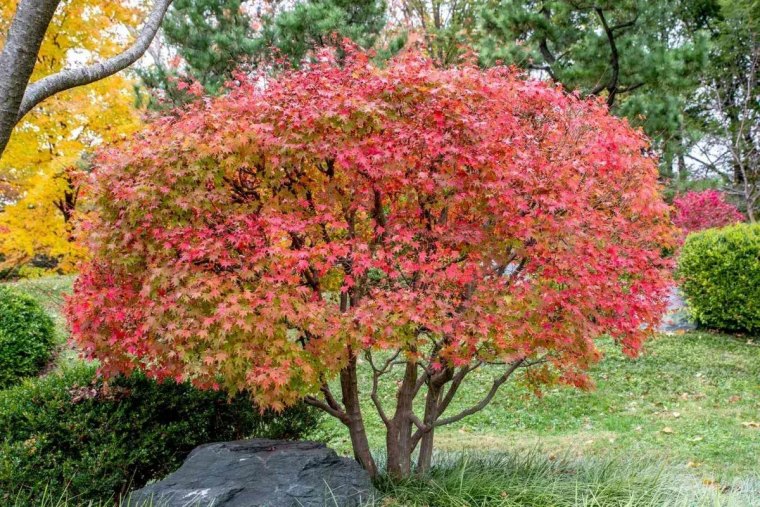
(436, 219)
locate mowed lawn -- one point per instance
(691, 401)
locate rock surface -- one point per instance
(260, 473)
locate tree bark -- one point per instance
(399, 436)
(354, 421)
(18, 58)
(432, 402)
(18, 97)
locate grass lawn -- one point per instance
(690, 404)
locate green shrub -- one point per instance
(719, 272)
(69, 434)
(27, 337)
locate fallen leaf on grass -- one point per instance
(751, 424)
(667, 430)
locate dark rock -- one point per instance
(260, 473)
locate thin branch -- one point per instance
(376, 374)
(630, 88)
(316, 402)
(455, 383)
(485, 401)
(626, 24)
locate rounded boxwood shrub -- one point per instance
(719, 272)
(70, 435)
(27, 337)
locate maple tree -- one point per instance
(429, 221)
(696, 211)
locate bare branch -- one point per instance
(612, 83)
(316, 402)
(486, 400)
(376, 374)
(331, 399)
(455, 383)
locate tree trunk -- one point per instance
(355, 423)
(18, 58)
(425, 459)
(399, 435)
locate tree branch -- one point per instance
(611, 85)
(455, 383)
(486, 400)
(67, 79)
(316, 402)
(376, 374)
(19, 54)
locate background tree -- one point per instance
(212, 39)
(56, 135)
(209, 38)
(433, 222)
(644, 57)
(729, 108)
(296, 32)
(25, 35)
(446, 27)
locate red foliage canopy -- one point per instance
(263, 239)
(696, 211)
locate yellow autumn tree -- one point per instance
(59, 132)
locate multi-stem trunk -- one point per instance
(406, 433)
(399, 443)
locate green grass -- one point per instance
(530, 479)
(683, 404)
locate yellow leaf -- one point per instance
(60, 131)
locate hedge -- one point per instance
(77, 437)
(719, 273)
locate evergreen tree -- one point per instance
(294, 33)
(213, 38)
(644, 57)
